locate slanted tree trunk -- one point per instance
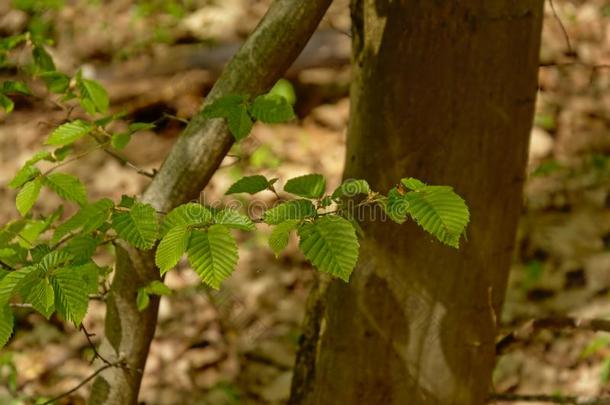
(260, 62)
(443, 91)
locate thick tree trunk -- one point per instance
(443, 91)
(260, 62)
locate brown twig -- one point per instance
(96, 354)
(529, 328)
(82, 383)
(563, 28)
(555, 399)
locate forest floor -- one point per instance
(237, 346)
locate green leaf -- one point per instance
(351, 188)
(54, 259)
(12, 282)
(331, 245)
(6, 324)
(412, 183)
(308, 186)
(82, 247)
(222, 107)
(213, 254)
(278, 240)
(42, 60)
(295, 209)
(142, 299)
(138, 226)
(234, 109)
(157, 287)
(119, 141)
(233, 219)
(440, 211)
(284, 89)
(240, 123)
(172, 247)
(27, 196)
(140, 126)
(67, 187)
(93, 96)
(271, 109)
(90, 217)
(395, 206)
(249, 184)
(23, 175)
(69, 132)
(186, 214)
(126, 201)
(42, 297)
(71, 299)
(6, 103)
(56, 82)
(12, 86)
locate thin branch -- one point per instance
(574, 63)
(554, 399)
(72, 159)
(21, 305)
(96, 354)
(6, 265)
(127, 163)
(563, 28)
(529, 328)
(82, 383)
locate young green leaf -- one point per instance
(351, 188)
(308, 186)
(119, 141)
(138, 226)
(396, 206)
(234, 109)
(249, 184)
(295, 209)
(67, 187)
(412, 183)
(186, 214)
(213, 254)
(12, 86)
(440, 211)
(27, 196)
(90, 217)
(233, 219)
(240, 123)
(56, 82)
(6, 324)
(284, 89)
(82, 247)
(271, 109)
(93, 96)
(222, 107)
(331, 245)
(157, 287)
(6, 103)
(71, 299)
(40, 294)
(142, 299)
(172, 247)
(13, 282)
(278, 240)
(69, 132)
(42, 60)
(23, 175)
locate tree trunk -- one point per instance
(260, 62)
(443, 91)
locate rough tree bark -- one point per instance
(260, 62)
(443, 91)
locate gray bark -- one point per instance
(260, 62)
(443, 91)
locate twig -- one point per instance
(574, 63)
(96, 354)
(72, 159)
(127, 163)
(20, 305)
(529, 328)
(6, 265)
(563, 28)
(85, 381)
(555, 399)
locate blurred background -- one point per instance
(159, 58)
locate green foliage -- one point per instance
(295, 209)
(186, 214)
(27, 196)
(440, 211)
(308, 186)
(67, 187)
(172, 247)
(278, 240)
(271, 109)
(92, 95)
(155, 287)
(351, 188)
(331, 245)
(284, 88)
(213, 254)
(69, 132)
(71, 299)
(138, 225)
(6, 324)
(232, 219)
(250, 185)
(88, 219)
